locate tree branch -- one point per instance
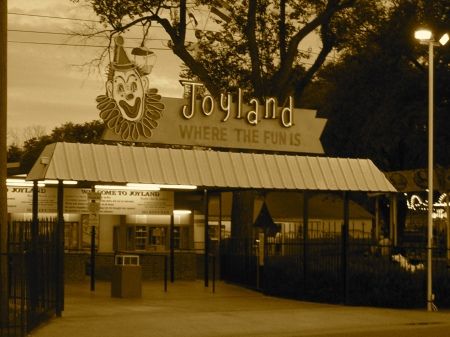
(168, 28)
(132, 23)
(282, 30)
(180, 50)
(197, 69)
(182, 24)
(328, 43)
(283, 75)
(250, 32)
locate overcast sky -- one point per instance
(45, 88)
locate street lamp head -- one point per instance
(426, 36)
(444, 39)
(423, 35)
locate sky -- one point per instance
(47, 87)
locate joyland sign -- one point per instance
(133, 112)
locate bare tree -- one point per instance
(33, 131)
(258, 44)
(17, 137)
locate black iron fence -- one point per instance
(333, 269)
(239, 262)
(30, 267)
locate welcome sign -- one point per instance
(76, 201)
(133, 112)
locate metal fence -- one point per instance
(336, 268)
(31, 276)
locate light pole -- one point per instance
(426, 37)
(3, 165)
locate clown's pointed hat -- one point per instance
(121, 60)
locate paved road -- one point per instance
(189, 309)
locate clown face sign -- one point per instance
(129, 108)
(133, 112)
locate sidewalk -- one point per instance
(190, 309)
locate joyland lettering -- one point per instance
(256, 113)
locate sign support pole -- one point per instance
(92, 258)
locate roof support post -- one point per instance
(344, 238)
(220, 217)
(220, 231)
(34, 278)
(393, 216)
(376, 237)
(172, 248)
(305, 238)
(447, 198)
(59, 279)
(206, 252)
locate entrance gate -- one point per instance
(286, 269)
(32, 270)
(316, 268)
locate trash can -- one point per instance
(126, 278)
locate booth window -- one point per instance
(140, 238)
(77, 235)
(156, 238)
(150, 238)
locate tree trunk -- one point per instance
(242, 214)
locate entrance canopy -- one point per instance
(209, 169)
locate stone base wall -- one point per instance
(211, 262)
(75, 267)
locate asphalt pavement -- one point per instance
(190, 309)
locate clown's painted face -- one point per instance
(127, 88)
(130, 109)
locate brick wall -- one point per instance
(76, 265)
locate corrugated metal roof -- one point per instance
(287, 206)
(211, 169)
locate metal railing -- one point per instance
(31, 277)
(327, 268)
